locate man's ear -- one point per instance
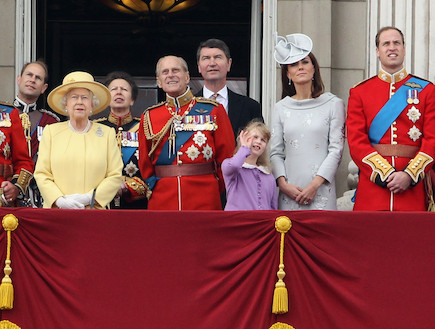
(44, 88)
(230, 61)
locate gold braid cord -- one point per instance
(10, 223)
(155, 138)
(25, 121)
(119, 139)
(280, 295)
(5, 324)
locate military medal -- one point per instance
(415, 98)
(410, 100)
(5, 120)
(39, 132)
(176, 124)
(7, 151)
(2, 137)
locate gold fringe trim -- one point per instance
(280, 295)
(5, 324)
(10, 223)
(429, 192)
(280, 325)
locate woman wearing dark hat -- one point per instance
(307, 130)
(79, 163)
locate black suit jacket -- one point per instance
(241, 110)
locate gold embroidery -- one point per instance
(379, 165)
(417, 165)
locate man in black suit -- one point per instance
(214, 62)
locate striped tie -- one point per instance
(214, 96)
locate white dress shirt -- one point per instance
(222, 96)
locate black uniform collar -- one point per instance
(181, 100)
(24, 107)
(120, 121)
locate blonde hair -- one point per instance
(263, 160)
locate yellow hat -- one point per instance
(79, 79)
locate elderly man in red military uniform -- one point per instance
(182, 143)
(16, 166)
(391, 135)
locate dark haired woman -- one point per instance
(307, 130)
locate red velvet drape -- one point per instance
(217, 270)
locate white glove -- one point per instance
(84, 199)
(64, 203)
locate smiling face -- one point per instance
(172, 77)
(301, 72)
(79, 104)
(121, 95)
(213, 64)
(31, 83)
(391, 51)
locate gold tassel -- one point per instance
(10, 223)
(280, 295)
(429, 192)
(5, 324)
(280, 325)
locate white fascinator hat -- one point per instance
(292, 48)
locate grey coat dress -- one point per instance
(307, 140)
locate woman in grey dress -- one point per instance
(307, 130)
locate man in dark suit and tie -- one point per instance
(214, 62)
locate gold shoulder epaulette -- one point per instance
(6, 104)
(364, 81)
(154, 106)
(99, 120)
(50, 113)
(421, 78)
(206, 100)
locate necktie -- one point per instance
(214, 96)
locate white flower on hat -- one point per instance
(293, 48)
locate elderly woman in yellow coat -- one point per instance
(79, 163)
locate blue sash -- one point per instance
(182, 136)
(392, 109)
(128, 151)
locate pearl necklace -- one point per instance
(84, 131)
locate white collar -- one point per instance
(207, 93)
(261, 168)
(23, 106)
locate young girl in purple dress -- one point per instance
(248, 176)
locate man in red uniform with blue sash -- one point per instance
(390, 128)
(182, 143)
